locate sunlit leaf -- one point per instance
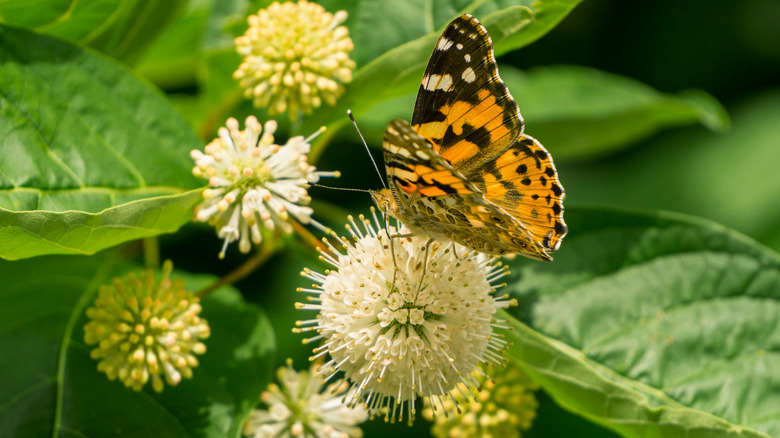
(654, 324)
(121, 29)
(81, 138)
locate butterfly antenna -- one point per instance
(346, 189)
(354, 123)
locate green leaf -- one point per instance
(654, 324)
(74, 120)
(394, 64)
(512, 23)
(51, 386)
(121, 29)
(25, 234)
(580, 113)
(82, 135)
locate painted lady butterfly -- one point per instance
(463, 171)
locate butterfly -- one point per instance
(463, 171)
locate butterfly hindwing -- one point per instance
(523, 181)
(486, 228)
(463, 108)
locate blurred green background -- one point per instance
(730, 50)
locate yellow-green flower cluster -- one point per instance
(146, 330)
(295, 56)
(501, 408)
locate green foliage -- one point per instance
(31, 233)
(52, 387)
(121, 29)
(654, 324)
(646, 324)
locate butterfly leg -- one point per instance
(455, 252)
(424, 268)
(392, 252)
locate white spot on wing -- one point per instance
(443, 44)
(438, 82)
(422, 155)
(459, 46)
(394, 149)
(404, 174)
(467, 57)
(468, 75)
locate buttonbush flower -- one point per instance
(398, 334)
(254, 183)
(502, 407)
(146, 330)
(295, 56)
(301, 406)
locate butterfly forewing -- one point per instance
(413, 167)
(463, 108)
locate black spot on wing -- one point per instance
(522, 169)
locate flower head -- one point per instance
(254, 183)
(502, 406)
(146, 330)
(397, 334)
(301, 405)
(295, 56)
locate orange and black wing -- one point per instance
(466, 112)
(463, 108)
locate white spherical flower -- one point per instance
(254, 183)
(295, 56)
(415, 331)
(301, 405)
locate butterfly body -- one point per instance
(463, 171)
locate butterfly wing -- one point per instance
(523, 181)
(463, 108)
(433, 198)
(414, 170)
(466, 112)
